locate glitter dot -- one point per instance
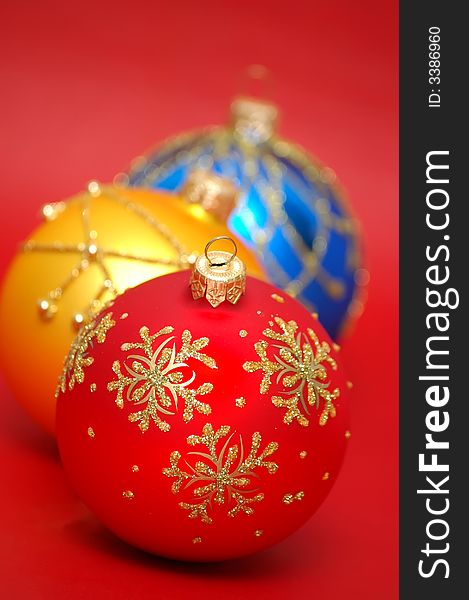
(197, 540)
(121, 179)
(362, 277)
(348, 435)
(325, 477)
(259, 532)
(48, 211)
(92, 387)
(243, 333)
(260, 236)
(135, 469)
(278, 298)
(293, 288)
(128, 494)
(315, 315)
(43, 305)
(52, 211)
(94, 189)
(336, 347)
(355, 308)
(327, 175)
(259, 312)
(78, 320)
(335, 288)
(91, 432)
(290, 498)
(240, 402)
(349, 385)
(124, 316)
(319, 245)
(47, 309)
(303, 454)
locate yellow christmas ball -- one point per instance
(88, 250)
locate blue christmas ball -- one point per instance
(290, 209)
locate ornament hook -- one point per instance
(218, 275)
(216, 239)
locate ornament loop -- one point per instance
(218, 275)
(230, 259)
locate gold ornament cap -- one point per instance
(218, 275)
(216, 195)
(253, 120)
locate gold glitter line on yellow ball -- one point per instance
(135, 469)
(91, 432)
(243, 333)
(90, 255)
(197, 540)
(278, 298)
(124, 316)
(349, 385)
(303, 454)
(128, 495)
(92, 388)
(240, 402)
(259, 532)
(325, 477)
(290, 498)
(348, 435)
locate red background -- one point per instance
(87, 86)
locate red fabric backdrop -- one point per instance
(87, 86)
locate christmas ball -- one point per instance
(88, 250)
(292, 210)
(201, 433)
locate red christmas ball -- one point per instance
(202, 433)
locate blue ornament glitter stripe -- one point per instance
(288, 212)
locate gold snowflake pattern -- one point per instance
(78, 358)
(300, 366)
(220, 477)
(155, 378)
